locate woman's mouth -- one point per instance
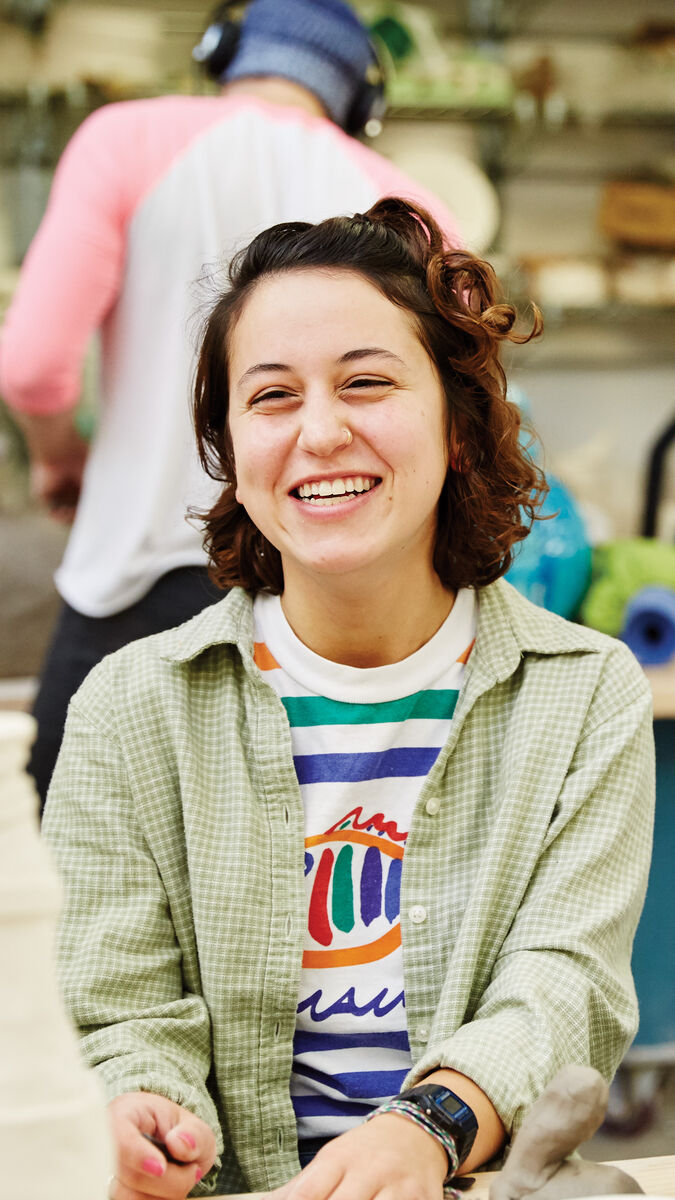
(321, 492)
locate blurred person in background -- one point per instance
(148, 192)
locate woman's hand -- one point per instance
(389, 1157)
(142, 1170)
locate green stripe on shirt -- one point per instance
(318, 710)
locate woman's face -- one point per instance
(316, 353)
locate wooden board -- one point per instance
(656, 1177)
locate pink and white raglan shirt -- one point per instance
(149, 195)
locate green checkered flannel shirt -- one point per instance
(176, 820)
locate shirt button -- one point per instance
(433, 806)
(417, 914)
(422, 1034)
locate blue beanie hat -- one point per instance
(320, 44)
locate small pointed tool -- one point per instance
(167, 1153)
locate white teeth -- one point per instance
(324, 488)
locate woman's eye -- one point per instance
(274, 394)
(368, 382)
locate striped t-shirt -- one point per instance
(363, 743)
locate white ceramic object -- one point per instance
(570, 282)
(54, 1139)
(462, 186)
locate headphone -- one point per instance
(218, 47)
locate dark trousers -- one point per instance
(79, 642)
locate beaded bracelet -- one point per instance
(405, 1109)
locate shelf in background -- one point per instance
(506, 115)
(612, 336)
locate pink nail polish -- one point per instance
(198, 1173)
(153, 1167)
(188, 1139)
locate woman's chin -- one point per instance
(332, 564)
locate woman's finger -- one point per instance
(191, 1140)
(162, 1182)
(118, 1190)
(281, 1193)
(319, 1180)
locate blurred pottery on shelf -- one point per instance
(639, 214)
(566, 281)
(644, 279)
(461, 185)
(109, 45)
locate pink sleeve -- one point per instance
(71, 273)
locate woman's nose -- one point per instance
(322, 430)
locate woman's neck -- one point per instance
(360, 629)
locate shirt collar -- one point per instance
(509, 626)
(229, 621)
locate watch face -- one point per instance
(450, 1104)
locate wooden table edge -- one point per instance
(656, 1175)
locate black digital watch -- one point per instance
(446, 1110)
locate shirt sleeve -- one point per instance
(124, 974)
(72, 271)
(561, 989)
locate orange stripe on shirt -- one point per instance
(263, 659)
(464, 657)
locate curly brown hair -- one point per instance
(492, 489)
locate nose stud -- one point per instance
(349, 437)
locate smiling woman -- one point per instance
(342, 517)
(353, 859)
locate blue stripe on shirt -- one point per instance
(356, 768)
(359, 1085)
(306, 1041)
(327, 1106)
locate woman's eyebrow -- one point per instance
(257, 367)
(370, 352)
(348, 356)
